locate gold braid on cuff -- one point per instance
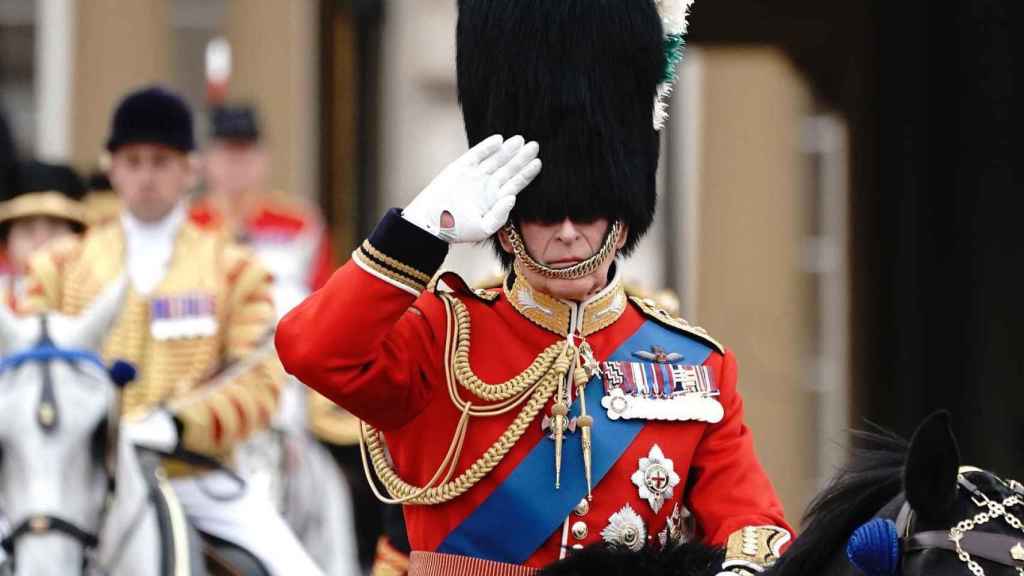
(575, 272)
(753, 549)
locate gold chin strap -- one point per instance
(575, 272)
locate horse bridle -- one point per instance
(961, 539)
(38, 524)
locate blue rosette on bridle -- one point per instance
(874, 548)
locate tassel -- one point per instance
(585, 422)
(581, 376)
(558, 413)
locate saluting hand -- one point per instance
(472, 197)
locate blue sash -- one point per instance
(525, 510)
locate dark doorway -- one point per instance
(928, 93)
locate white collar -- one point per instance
(164, 229)
(149, 247)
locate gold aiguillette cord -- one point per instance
(581, 376)
(559, 413)
(585, 422)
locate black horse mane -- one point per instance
(873, 478)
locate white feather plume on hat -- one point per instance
(673, 14)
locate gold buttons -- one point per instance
(582, 508)
(579, 530)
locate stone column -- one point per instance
(752, 291)
(119, 45)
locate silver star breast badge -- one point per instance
(656, 478)
(625, 530)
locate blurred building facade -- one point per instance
(359, 102)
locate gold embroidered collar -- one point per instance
(593, 314)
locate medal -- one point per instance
(625, 530)
(655, 478)
(678, 528)
(659, 390)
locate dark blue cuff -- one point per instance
(402, 252)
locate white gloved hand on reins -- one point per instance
(477, 191)
(156, 431)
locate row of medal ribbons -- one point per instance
(182, 316)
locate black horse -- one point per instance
(898, 509)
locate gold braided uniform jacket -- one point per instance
(216, 412)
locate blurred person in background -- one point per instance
(39, 203)
(288, 236)
(195, 322)
(286, 233)
(44, 204)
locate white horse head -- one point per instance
(56, 399)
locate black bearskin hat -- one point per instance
(152, 115)
(238, 123)
(579, 77)
(41, 189)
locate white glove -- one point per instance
(477, 191)
(156, 431)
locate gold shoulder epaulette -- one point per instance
(452, 282)
(651, 309)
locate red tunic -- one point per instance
(372, 340)
(284, 223)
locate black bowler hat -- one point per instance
(152, 115)
(235, 122)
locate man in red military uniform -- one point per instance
(287, 235)
(555, 412)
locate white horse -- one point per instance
(75, 497)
